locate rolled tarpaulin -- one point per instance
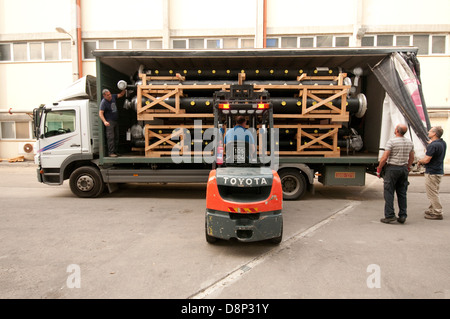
(398, 80)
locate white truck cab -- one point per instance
(66, 132)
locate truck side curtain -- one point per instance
(403, 86)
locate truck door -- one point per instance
(60, 137)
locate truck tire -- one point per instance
(86, 182)
(293, 183)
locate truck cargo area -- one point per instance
(200, 73)
(327, 107)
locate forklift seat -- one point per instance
(238, 152)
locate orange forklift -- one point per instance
(244, 196)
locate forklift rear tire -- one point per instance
(86, 182)
(293, 183)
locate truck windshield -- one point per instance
(59, 122)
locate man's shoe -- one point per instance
(388, 220)
(401, 219)
(433, 216)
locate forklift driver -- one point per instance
(240, 133)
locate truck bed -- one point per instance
(357, 158)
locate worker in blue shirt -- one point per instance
(240, 133)
(434, 170)
(110, 118)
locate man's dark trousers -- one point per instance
(112, 137)
(395, 180)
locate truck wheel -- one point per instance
(293, 183)
(86, 182)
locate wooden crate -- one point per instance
(157, 94)
(314, 139)
(158, 140)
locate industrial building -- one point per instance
(46, 45)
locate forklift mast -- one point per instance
(257, 108)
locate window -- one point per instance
(51, 51)
(155, 44)
(403, 40)
(106, 44)
(421, 41)
(88, 47)
(306, 42)
(15, 130)
(20, 52)
(7, 130)
(23, 130)
(179, 44)
(368, 41)
(213, 44)
(324, 41)
(59, 122)
(66, 50)
(438, 44)
(342, 41)
(427, 44)
(122, 44)
(247, 43)
(196, 43)
(289, 42)
(272, 42)
(139, 44)
(5, 52)
(36, 51)
(385, 40)
(230, 43)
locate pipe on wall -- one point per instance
(79, 43)
(265, 24)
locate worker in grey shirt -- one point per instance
(398, 157)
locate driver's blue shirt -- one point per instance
(239, 133)
(110, 108)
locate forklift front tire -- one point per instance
(209, 239)
(277, 240)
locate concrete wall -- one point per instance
(28, 84)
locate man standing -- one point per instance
(434, 170)
(398, 158)
(110, 116)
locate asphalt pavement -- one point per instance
(147, 241)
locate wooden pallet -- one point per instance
(13, 159)
(312, 139)
(159, 140)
